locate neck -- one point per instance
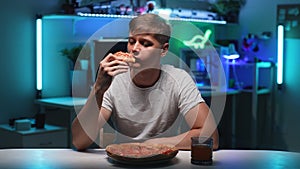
(146, 77)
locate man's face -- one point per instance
(146, 49)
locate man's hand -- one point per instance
(109, 67)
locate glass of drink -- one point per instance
(201, 150)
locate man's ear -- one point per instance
(165, 49)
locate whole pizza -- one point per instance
(141, 152)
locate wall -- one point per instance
(17, 55)
(61, 32)
(258, 16)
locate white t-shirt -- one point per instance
(142, 113)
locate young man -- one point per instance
(144, 100)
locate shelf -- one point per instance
(260, 91)
(255, 89)
(258, 64)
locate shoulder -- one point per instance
(173, 70)
(176, 73)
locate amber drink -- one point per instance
(201, 150)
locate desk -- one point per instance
(97, 158)
(62, 102)
(68, 103)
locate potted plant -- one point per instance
(84, 57)
(228, 9)
(71, 54)
(77, 52)
(78, 69)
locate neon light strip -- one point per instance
(198, 20)
(104, 15)
(39, 54)
(280, 50)
(130, 16)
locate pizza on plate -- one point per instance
(141, 152)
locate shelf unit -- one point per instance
(255, 91)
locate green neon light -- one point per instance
(203, 39)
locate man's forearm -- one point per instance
(85, 127)
(183, 141)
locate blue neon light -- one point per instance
(280, 50)
(39, 54)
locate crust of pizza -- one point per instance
(124, 56)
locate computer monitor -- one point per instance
(197, 67)
(205, 67)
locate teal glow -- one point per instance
(39, 54)
(199, 84)
(265, 64)
(280, 50)
(194, 41)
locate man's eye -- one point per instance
(147, 43)
(131, 41)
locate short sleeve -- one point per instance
(107, 100)
(189, 95)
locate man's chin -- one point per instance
(135, 65)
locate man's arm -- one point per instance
(87, 124)
(201, 121)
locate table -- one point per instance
(97, 158)
(68, 103)
(62, 102)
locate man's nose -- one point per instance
(136, 47)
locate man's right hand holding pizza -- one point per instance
(110, 66)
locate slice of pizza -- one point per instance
(125, 56)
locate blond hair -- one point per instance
(151, 24)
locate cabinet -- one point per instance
(49, 137)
